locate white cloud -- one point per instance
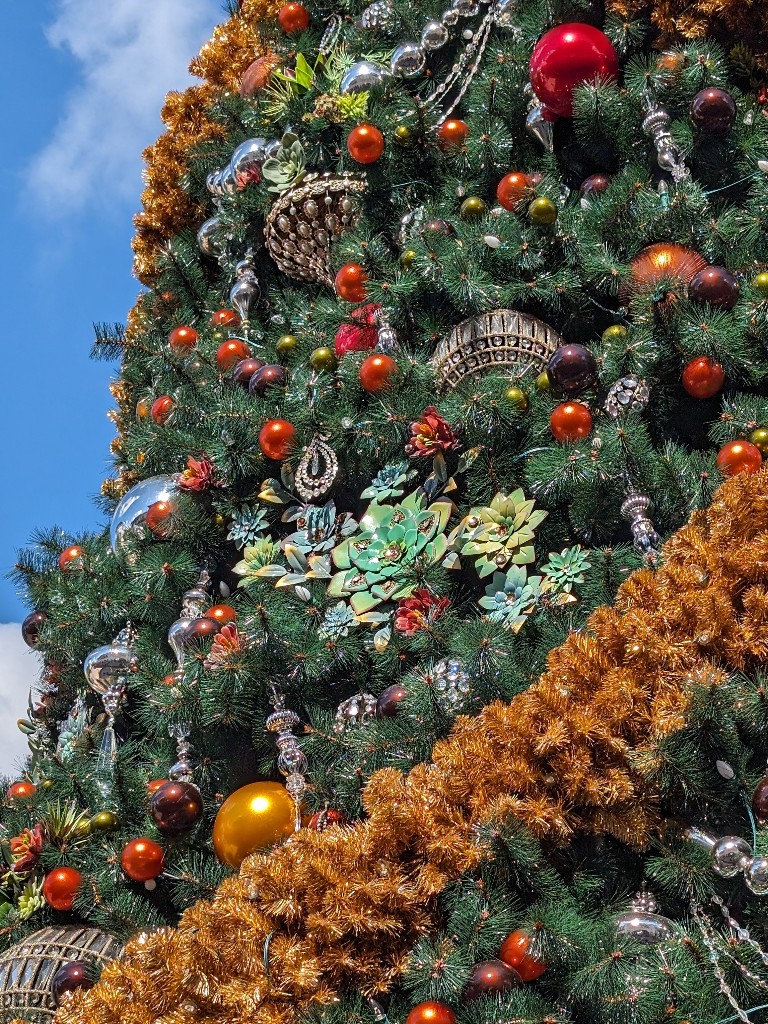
(19, 670)
(128, 55)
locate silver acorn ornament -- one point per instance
(540, 128)
(193, 604)
(363, 76)
(110, 666)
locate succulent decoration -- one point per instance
(288, 167)
(500, 533)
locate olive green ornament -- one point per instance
(473, 208)
(407, 258)
(542, 212)
(759, 438)
(517, 398)
(286, 345)
(105, 821)
(543, 382)
(323, 359)
(616, 332)
(760, 284)
(403, 135)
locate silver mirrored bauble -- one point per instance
(108, 667)
(247, 160)
(363, 76)
(642, 922)
(756, 875)
(128, 525)
(434, 35)
(272, 148)
(540, 128)
(228, 181)
(243, 293)
(408, 60)
(207, 236)
(505, 13)
(730, 855)
(450, 17)
(212, 182)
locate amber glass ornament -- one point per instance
(154, 784)
(224, 318)
(277, 439)
(142, 859)
(759, 438)
(157, 515)
(272, 375)
(245, 369)
(71, 555)
(513, 190)
(377, 373)
(713, 110)
(365, 144)
(350, 283)
(253, 818)
(714, 285)
(21, 790)
(293, 18)
(388, 704)
(739, 457)
(760, 284)
(542, 212)
(182, 338)
(327, 818)
(162, 408)
(760, 801)
(60, 887)
(70, 976)
(176, 807)
(31, 626)
(491, 978)
(452, 133)
(570, 421)
(664, 262)
(515, 954)
(105, 821)
(323, 358)
(703, 377)
(221, 613)
(594, 185)
(231, 352)
(431, 1013)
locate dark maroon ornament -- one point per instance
(594, 185)
(760, 801)
(321, 821)
(70, 976)
(715, 285)
(388, 703)
(200, 629)
(439, 227)
(713, 110)
(245, 369)
(270, 376)
(572, 368)
(176, 807)
(30, 628)
(491, 978)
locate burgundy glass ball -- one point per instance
(491, 978)
(714, 285)
(713, 110)
(70, 976)
(30, 628)
(572, 368)
(594, 185)
(760, 801)
(439, 227)
(388, 703)
(270, 376)
(200, 629)
(245, 369)
(176, 807)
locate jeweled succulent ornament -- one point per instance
(247, 525)
(499, 534)
(319, 527)
(354, 711)
(128, 527)
(564, 570)
(627, 394)
(390, 482)
(337, 622)
(287, 167)
(511, 597)
(451, 684)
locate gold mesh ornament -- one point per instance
(28, 967)
(499, 341)
(305, 222)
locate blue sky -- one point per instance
(82, 83)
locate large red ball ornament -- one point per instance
(350, 283)
(176, 807)
(277, 439)
(293, 18)
(365, 143)
(21, 790)
(224, 318)
(431, 1013)
(142, 859)
(452, 132)
(514, 953)
(70, 555)
(513, 190)
(70, 976)
(568, 56)
(377, 373)
(182, 338)
(60, 887)
(739, 457)
(161, 410)
(703, 377)
(231, 352)
(570, 421)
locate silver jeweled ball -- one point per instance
(128, 525)
(730, 855)
(408, 60)
(357, 710)
(451, 683)
(628, 394)
(756, 875)
(207, 236)
(434, 35)
(466, 8)
(228, 181)
(363, 76)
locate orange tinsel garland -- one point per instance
(343, 907)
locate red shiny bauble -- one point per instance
(70, 976)
(452, 132)
(703, 377)
(30, 628)
(714, 285)
(431, 1013)
(21, 790)
(350, 283)
(570, 421)
(388, 704)
(739, 457)
(365, 143)
(271, 375)
(491, 978)
(161, 410)
(60, 887)
(594, 185)
(142, 859)
(514, 953)
(257, 75)
(69, 555)
(568, 56)
(176, 807)
(231, 352)
(513, 190)
(377, 373)
(293, 18)
(328, 818)
(155, 784)
(245, 369)
(277, 439)
(713, 110)
(225, 318)
(221, 613)
(183, 338)
(157, 515)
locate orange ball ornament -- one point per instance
(231, 352)
(514, 953)
(513, 190)
(70, 555)
(157, 515)
(222, 614)
(253, 818)
(224, 318)
(350, 283)
(739, 457)
(182, 338)
(142, 859)
(162, 408)
(664, 261)
(293, 18)
(277, 439)
(60, 887)
(703, 377)
(431, 1013)
(21, 790)
(365, 144)
(377, 373)
(570, 421)
(452, 132)
(155, 784)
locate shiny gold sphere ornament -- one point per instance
(760, 284)
(403, 135)
(616, 332)
(759, 438)
(543, 383)
(105, 821)
(517, 398)
(286, 344)
(323, 358)
(252, 819)
(542, 212)
(473, 208)
(407, 258)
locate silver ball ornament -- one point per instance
(408, 60)
(272, 148)
(729, 855)
(465, 8)
(128, 525)
(212, 182)
(247, 160)
(207, 236)
(108, 667)
(434, 35)
(756, 875)
(505, 13)
(363, 76)
(450, 18)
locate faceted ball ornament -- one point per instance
(183, 338)
(431, 1013)
(570, 421)
(277, 439)
(231, 352)
(452, 133)
(729, 855)
(703, 377)
(176, 807)
(739, 457)
(365, 144)
(293, 18)
(350, 283)
(715, 285)
(572, 368)
(252, 819)
(69, 977)
(142, 860)
(491, 978)
(514, 953)
(31, 626)
(60, 887)
(713, 110)
(542, 212)
(568, 56)
(377, 373)
(273, 375)
(513, 189)
(388, 704)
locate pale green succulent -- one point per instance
(31, 900)
(288, 167)
(566, 569)
(337, 622)
(255, 557)
(390, 481)
(500, 533)
(511, 597)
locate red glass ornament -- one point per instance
(142, 859)
(170, 679)
(570, 421)
(272, 375)
(176, 807)
(221, 613)
(328, 818)
(69, 555)
(514, 953)
(703, 377)
(452, 132)
(70, 976)
(388, 704)
(572, 368)
(257, 75)
(60, 887)
(431, 1013)
(293, 18)
(30, 628)
(182, 338)
(162, 408)
(365, 144)
(157, 515)
(361, 334)
(245, 369)
(350, 283)
(200, 629)
(277, 439)
(224, 318)
(155, 784)
(513, 190)
(594, 185)
(231, 352)
(568, 56)
(739, 457)
(377, 373)
(760, 801)
(491, 978)
(21, 790)
(715, 285)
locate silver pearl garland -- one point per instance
(731, 856)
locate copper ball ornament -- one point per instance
(703, 377)
(513, 190)
(277, 439)
(713, 110)
(515, 953)
(176, 808)
(60, 886)
(491, 978)
(716, 286)
(572, 368)
(739, 457)
(570, 421)
(321, 821)
(271, 375)
(388, 704)
(350, 283)
(431, 1013)
(76, 974)
(183, 338)
(760, 801)
(245, 369)
(142, 859)
(664, 262)
(365, 144)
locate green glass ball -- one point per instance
(543, 381)
(616, 332)
(403, 135)
(542, 212)
(285, 345)
(473, 208)
(323, 359)
(517, 397)
(760, 284)
(407, 258)
(105, 821)
(759, 438)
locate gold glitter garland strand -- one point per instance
(342, 908)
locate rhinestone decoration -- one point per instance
(451, 683)
(628, 394)
(316, 471)
(354, 711)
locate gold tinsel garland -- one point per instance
(340, 909)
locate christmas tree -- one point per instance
(452, 319)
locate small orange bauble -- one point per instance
(222, 613)
(664, 261)
(293, 18)
(376, 372)
(60, 887)
(513, 190)
(142, 860)
(157, 515)
(514, 953)
(183, 337)
(452, 132)
(570, 421)
(21, 790)
(277, 439)
(224, 318)
(69, 555)
(143, 408)
(365, 143)
(703, 377)
(431, 1013)
(229, 353)
(739, 457)
(162, 408)
(350, 283)
(155, 784)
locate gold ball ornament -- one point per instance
(517, 398)
(760, 284)
(759, 438)
(407, 258)
(323, 359)
(543, 382)
(403, 135)
(614, 333)
(252, 819)
(542, 212)
(473, 208)
(105, 821)
(286, 344)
